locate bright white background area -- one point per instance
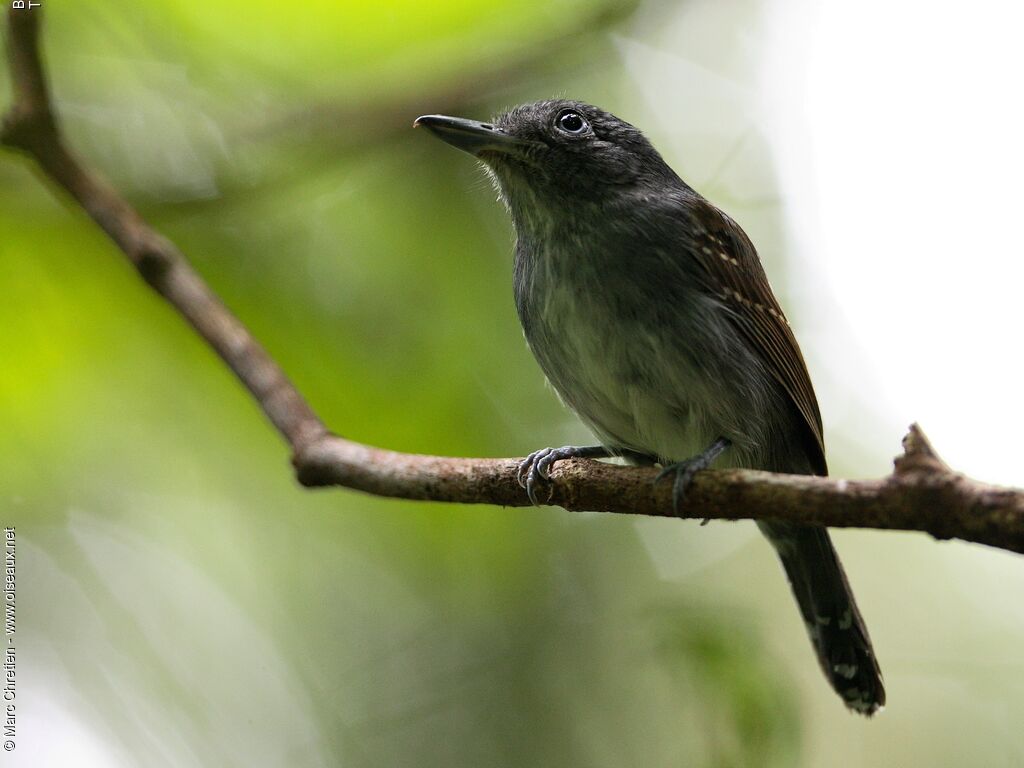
(898, 127)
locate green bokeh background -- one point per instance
(183, 602)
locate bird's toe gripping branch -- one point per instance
(685, 470)
(535, 469)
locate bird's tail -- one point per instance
(838, 633)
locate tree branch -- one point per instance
(922, 494)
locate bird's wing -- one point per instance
(734, 273)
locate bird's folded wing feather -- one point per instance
(734, 273)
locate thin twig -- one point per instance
(922, 494)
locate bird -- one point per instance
(650, 313)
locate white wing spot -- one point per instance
(734, 294)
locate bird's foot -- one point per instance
(535, 469)
(685, 470)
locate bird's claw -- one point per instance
(535, 470)
(684, 472)
(686, 469)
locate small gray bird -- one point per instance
(650, 314)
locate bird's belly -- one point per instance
(624, 379)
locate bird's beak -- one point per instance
(469, 135)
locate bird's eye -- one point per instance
(572, 122)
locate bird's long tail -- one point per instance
(838, 633)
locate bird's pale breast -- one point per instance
(627, 370)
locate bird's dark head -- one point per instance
(552, 154)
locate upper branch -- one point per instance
(923, 494)
(32, 126)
